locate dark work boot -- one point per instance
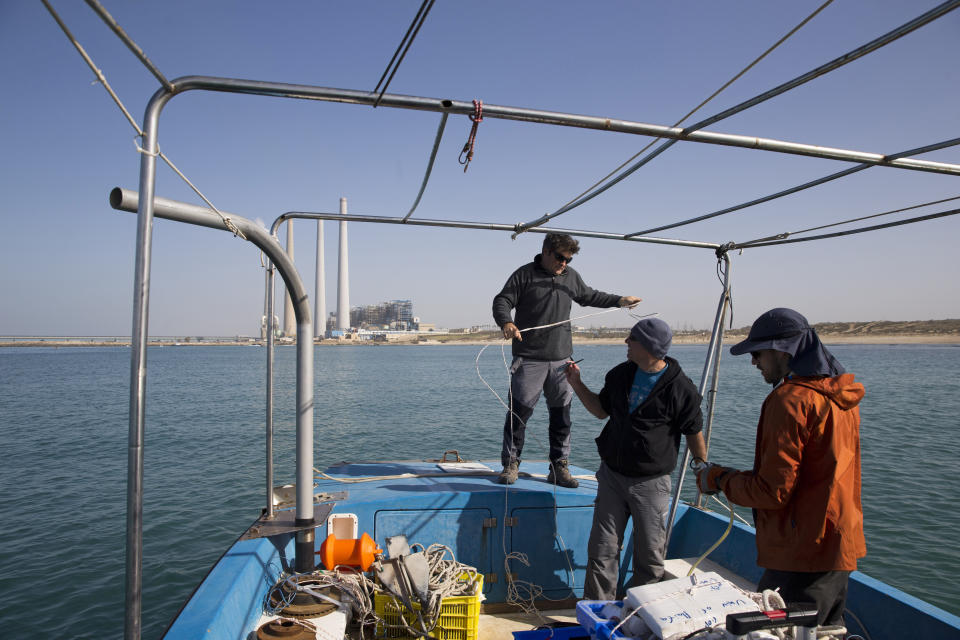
(560, 475)
(509, 473)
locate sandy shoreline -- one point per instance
(439, 341)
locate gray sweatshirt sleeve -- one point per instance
(587, 297)
(505, 301)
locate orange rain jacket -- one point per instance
(805, 486)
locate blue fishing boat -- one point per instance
(517, 552)
(458, 504)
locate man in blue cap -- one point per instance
(650, 403)
(804, 487)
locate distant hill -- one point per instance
(873, 328)
(840, 330)
(880, 328)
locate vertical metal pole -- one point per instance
(305, 561)
(288, 312)
(138, 370)
(269, 344)
(715, 374)
(343, 276)
(264, 324)
(716, 337)
(320, 288)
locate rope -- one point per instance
(543, 326)
(101, 78)
(476, 118)
(768, 600)
(522, 593)
(580, 199)
(736, 515)
(801, 187)
(834, 64)
(442, 474)
(787, 234)
(715, 544)
(837, 234)
(127, 40)
(446, 578)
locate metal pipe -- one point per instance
(126, 200)
(138, 368)
(459, 224)
(304, 559)
(716, 336)
(343, 273)
(715, 376)
(289, 316)
(307, 92)
(271, 294)
(320, 288)
(126, 195)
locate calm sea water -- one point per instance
(63, 424)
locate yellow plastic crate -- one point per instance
(459, 615)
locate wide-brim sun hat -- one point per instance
(786, 330)
(776, 329)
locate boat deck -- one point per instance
(484, 525)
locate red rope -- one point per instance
(477, 118)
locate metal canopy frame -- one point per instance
(148, 205)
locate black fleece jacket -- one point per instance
(540, 298)
(647, 441)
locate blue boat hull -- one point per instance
(482, 522)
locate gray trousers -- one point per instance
(528, 378)
(619, 498)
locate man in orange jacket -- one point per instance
(804, 487)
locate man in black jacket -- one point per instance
(650, 402)
(542, 293)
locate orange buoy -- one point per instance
(351, 552)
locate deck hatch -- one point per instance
(551, 553)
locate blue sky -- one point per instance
(67, 257)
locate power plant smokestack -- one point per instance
(289, 320)
(343, 278)
(320, 296)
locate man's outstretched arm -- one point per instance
(589, 399)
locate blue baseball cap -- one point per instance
(654, 335)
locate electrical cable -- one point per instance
(806, 185)
(787, 234)
(414, 28)
(932, 216)
(580, 199)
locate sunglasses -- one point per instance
(562, 258)
(755, 355)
